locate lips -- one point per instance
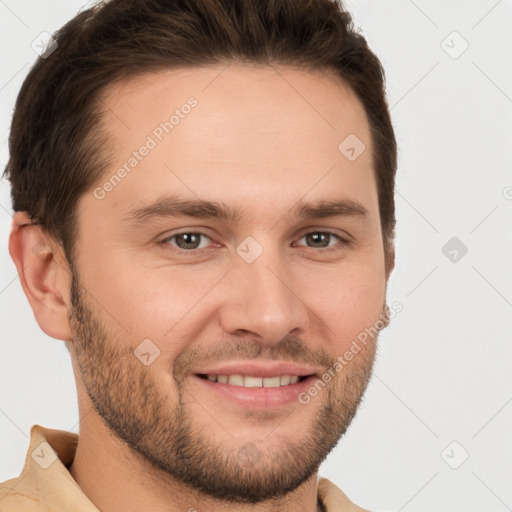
(254, 369)
(268, 398)
(253, 384)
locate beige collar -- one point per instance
(45, 476)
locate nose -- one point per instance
(263, 298)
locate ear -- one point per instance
(44, 275)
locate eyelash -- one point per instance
(343, 241)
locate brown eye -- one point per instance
(322, 240)
(186, 241)
(318, 239)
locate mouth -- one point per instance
(252, 391)
(251, 381)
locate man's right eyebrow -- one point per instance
(173, 206)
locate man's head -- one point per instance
(219, 176)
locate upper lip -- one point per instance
(254, 369)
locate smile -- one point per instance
(249, 381)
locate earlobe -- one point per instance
(44, 275)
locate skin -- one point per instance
(260, 139)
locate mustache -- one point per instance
(288, 349)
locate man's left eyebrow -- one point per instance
(173, 206)
(341, 207)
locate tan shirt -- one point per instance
(45, 483)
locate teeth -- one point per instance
(254, 382)
(271, 382)
(235, 380)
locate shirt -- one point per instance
(46, 485)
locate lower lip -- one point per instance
(260, 397)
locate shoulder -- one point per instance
(335, 500)
(15, 498)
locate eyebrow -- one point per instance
(173, 206)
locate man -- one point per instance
(204, 214)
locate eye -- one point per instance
(186, 241)
(322, 239)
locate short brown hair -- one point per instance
(57, 148)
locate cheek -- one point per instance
(154, 302)
(347, 301)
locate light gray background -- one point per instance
(443, 371)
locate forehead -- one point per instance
(236, 132)
(318, 99)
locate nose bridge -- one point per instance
(263, 299)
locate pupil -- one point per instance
(190, 238)
(315, 236)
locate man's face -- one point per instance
(161, 301)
